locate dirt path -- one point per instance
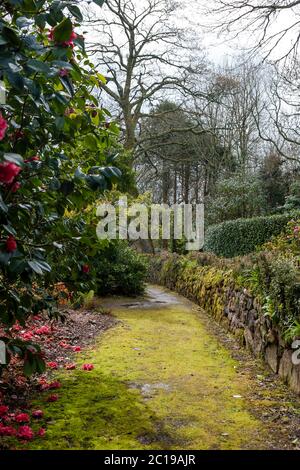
(163, 380)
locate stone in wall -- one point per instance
(285, 366)
(294, 381)
(271, 357)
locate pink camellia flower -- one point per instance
(7, 430)
(42, 381)
(52, 365)
(296, 229)
(70, 366)
(27, 336)
(43, 330)
(70, 41)
(37, 414)
(64, 345)
(37, 317)
(3, 410)
(26, 433)
(8, 172)
(3, 127)
(87, 367)
(41, 432)
(22, 418)
(54, 385)
(63, 73)
(51, 34)
(67, 43)
(76, 348)
(52, 398)
(44, 387)
(86, 269)
(11, 244)
(16, 327)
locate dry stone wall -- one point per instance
(234, 308)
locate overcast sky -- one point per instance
(221, 48)
(227, 45)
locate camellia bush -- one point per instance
(56, 153)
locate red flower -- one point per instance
(69, 42)
(22, 418)
(63, 73)
(41, 432)
(43, 384)
(52, 398)
(37, 414)
(36, 158)
(64, 345)
(7, 430)
(8, 172)
(44, 387)
(70, 366)
(87, 367)
(15, 187)
(3, 410)
(51, 34)
(86, 269)
(76, 348)
(11, 244)
(52, 365)
(17, 135)
(43, 330)
(54, 385)
(27, 336)
(25, 432)
(3, 127)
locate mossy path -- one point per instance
(161, 381)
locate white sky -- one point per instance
(219, 49)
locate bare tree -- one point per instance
(274, 24)
(274, 29)
(145, 57)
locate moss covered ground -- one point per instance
(160, 381)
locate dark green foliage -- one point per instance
(273, 181)
(292, 201)
(59, 150)
(235, 197)
(242, 236)
(119, 270)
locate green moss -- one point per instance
(161, 381)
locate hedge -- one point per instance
(242, 236)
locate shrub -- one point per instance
(292, 201)
(56, 154)
(119, 270)
(235, 197)
(242, 236)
